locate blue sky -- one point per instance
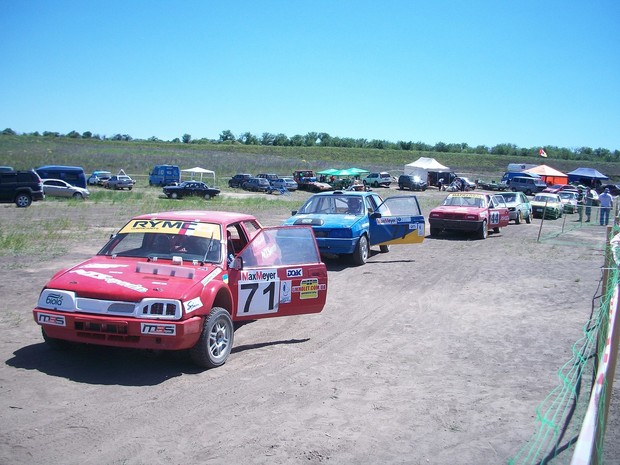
(530, 73)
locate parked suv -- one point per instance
(411, 182)
(527, 185)
(21, 187)
(257, 185)
(378, 179)
(238, 179)
(268, 176)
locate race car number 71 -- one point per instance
(258, 297)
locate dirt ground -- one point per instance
(435, 353)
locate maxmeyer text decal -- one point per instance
(259, 275)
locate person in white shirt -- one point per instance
(606, 201)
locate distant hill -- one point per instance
(137, 157)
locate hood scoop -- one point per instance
(161, 269)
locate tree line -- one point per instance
(323, 139)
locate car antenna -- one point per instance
(204, 259)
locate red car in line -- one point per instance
(468, 211)
(184, 280)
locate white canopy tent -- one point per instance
(423, 165)
(201, 171)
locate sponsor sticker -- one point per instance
(192, 305)
(109, 279)
(189, 228)
(388, 220)
(47, 319)
(155, 329)
(294, 273)
(259, 275)
(285, 292)
(309, 289)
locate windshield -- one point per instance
(455, 200)
(545, 198)
(160, 239)
(334, 205)
(509, 197)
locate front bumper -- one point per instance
(119, 332)
(455, 225)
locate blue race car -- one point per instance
(349, 222)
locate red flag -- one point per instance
(542, 153)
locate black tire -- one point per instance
(400, 186)
(375, 184)
(207, 196)
(519, 217)
(483, 232)
(23, 200)
(384, 248)
(78, 196)
(360, 256)
(435, 232)
(497, 230)
(174, 195)
(528, 218)
(130, 188)
(216, 340)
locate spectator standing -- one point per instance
(589, 202)
(606, 201)
(580, 201)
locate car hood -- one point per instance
(458, 209)
(324, 221)
(132, 279)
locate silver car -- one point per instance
(60, 188)
(519, 207)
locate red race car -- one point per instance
(184, 280)
(469, 211)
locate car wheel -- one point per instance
(216, 340)
(482, 232)
(384, 248)
(528, 218)
(207, 196)
(400, 186)
(23, 200)
(497, 230)
(130, 187)
(528, 192)
(375, 184)
(174, 195)
(519, 217)
(360, 256)
(435, 231)
(77, 195)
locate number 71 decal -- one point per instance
(258, 297)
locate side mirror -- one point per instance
(375, 215)
(294, 212)
(237, 263)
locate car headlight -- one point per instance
(341, 233)
(166, 309)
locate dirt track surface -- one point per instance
(435, 353)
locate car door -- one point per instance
(57, 189)
(397, 220)
(278, 273)
(498, 212)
